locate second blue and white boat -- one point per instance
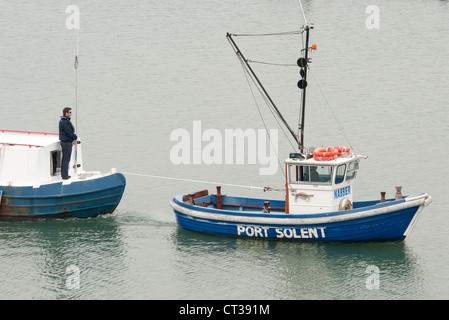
(31, 185)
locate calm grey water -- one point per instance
(150, 67)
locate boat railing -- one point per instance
(29, 132)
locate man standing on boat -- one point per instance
(66, 137)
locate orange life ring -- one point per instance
(343, 150)
(325, 154)
(320, 158)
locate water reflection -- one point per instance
(288, 270)
(38, 253)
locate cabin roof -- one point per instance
(27, 138)
(313, 162)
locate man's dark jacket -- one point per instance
(66, 130)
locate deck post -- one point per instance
(218, 197)
(266, 207)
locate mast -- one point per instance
(75, 65)
(302, 84)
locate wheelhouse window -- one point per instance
(340, 176)
(310, 174)
(352, 170)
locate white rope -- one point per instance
(201, 181)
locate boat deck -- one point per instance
(250, 205)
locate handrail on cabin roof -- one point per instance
(29, 132)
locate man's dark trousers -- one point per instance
(66, 154)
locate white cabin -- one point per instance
(33, 158)
(320, 186)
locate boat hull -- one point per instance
(79, 199)
(391, 221)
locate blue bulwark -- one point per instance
(78, 199)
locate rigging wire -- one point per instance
(269, 105)
(266, 34)
(201, 181)
(245, 72)
(319, 87)
(276, 114)
(288, 65)
(330, 108)
(273, 64)
(303, 13)
(260, 86)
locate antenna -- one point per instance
(75, 65)
(303, 14)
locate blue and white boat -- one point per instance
(321, 210)
(318, 203)
(31, 185)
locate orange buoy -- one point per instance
(321, 158)
(325, 154)
(342, 150)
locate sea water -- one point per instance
(377, 83)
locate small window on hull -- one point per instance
(55, 163)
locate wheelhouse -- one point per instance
(32, 158)
(314, 186)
